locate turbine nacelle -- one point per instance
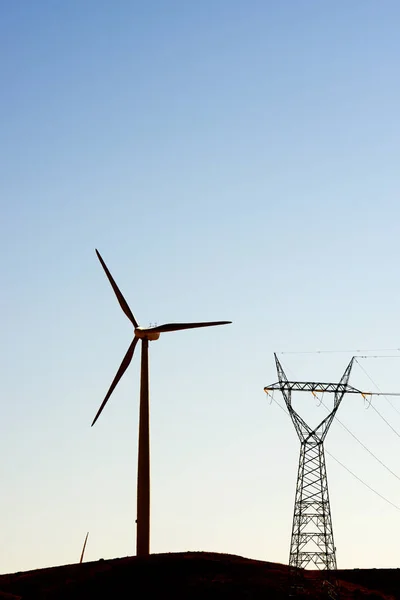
(146, 334)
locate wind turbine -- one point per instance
(145, 334)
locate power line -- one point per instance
(363, 445)
(363, 482)
(342, 351)
(383, 419)
(346, 468)
(384, 395)
(377, 356)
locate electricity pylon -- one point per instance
(312, 535)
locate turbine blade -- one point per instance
(123, 303)
(123, 367)
(178, 326)
(84, 546)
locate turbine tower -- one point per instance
(144, 334)
(312, 535)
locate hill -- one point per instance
(194, 575)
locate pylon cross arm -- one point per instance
(313, 386)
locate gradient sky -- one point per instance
(230, 160)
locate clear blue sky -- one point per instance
(231, 160)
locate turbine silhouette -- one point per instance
(145, 335)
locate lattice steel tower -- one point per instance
(312, 535)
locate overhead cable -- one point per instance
(384, 395)
(348, 470)
(340, 351)
(363, 445)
